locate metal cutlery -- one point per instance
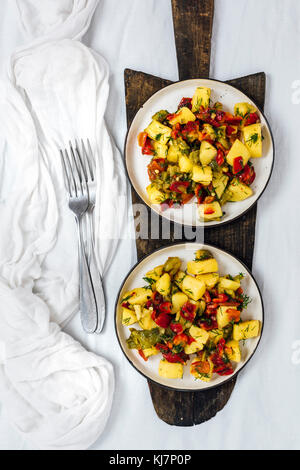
(90, 173)
(79, 171)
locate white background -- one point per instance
(249, 36)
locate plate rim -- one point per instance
(231, 377)
(215, 224)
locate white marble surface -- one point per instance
(248, 36)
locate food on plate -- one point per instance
(202, 151)
(191, 314)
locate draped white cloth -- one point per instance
(248, 37)
(56, 393)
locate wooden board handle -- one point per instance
(193, 20)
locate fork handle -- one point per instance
(97, 283)
(88, 307)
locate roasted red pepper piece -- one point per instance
(142, 137)
(207, 296)
(181, 340)
(165, 307)
(191, 131)
(229, 130)
(161, 319)
(156, 167)
(179, 186)
(202, 367)
(176, 327)
(248, 175)
(209, 324)
(175, 131)
(185, 198)
(147, 148)
(199, 192)
(221, 298)
(233, 120)
(141, 353)
(188, 311)
(171, 357)
(251, 118)
(157, 299)
(222, 365)
(237, 165)
(233, 314)
(220, 157)
(185, 102)
(162, 347)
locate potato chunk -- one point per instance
(163, 285)
(193, 288)
(201, 98)
(185, 164)
(150, 351)
(238, 191)
(159, 132)
(172, 265)
(246, 329)
(202, 174)
(178, 278)
(253, 140)
(178, 300)
(210, 279)
(155, 195)
(211, 211)
(170, 371)
(225, 283)
(128, 317)
(182, 116)
(140, 295)
(238, 150)
(241, 109)
(145, 321)
(153, 275)
(160, 150)
(177, 148)
(203, 267)
(219, 183)
(233, 351)
(207, 153)
(224, 316)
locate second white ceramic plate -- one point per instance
(168, 98)
(228, 264)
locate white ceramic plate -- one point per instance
(168, 98)
(228, 264)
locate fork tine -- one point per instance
(81, 161)
(65, 171)
(88, 158)
(76, 167)
(73, 187)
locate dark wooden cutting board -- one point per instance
(193, 21)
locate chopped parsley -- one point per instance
(253, 139)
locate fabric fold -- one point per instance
(58, 395)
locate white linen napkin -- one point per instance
(57, 394)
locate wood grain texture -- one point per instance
(193, 21)
(190, 408)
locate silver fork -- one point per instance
(78, 204)
(88, 160)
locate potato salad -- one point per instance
(192, 314)
(202, 151)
